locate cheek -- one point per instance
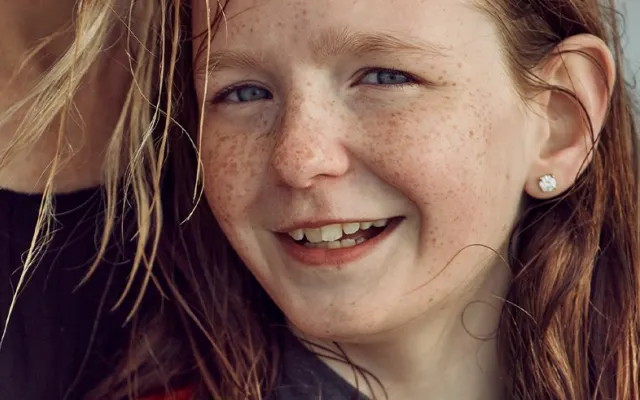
(453, 161)
(427, 152)
(232, 164)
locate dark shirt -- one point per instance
(60, 341)
(302, 377)
(305, 377)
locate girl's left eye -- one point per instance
(386, 77)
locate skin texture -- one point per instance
(452, 153)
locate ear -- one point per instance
(583, 66)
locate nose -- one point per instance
(310, 145)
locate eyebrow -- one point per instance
(331, 44)
(231, 59)
(334, 43)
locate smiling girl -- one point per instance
(436, 199)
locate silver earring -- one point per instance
(548, 183)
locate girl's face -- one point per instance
(352, 149)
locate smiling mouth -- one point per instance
(339, 236)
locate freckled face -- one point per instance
(329, 111)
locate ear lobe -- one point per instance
(582, 71)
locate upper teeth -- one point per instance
(331, 233)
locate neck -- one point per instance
(24, 26)
(448, 353)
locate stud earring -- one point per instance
(548, 183)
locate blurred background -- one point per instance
(631, 39)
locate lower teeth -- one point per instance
(338, 244)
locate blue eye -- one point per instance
(386, 77)
(244, 94)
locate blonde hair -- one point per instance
(140, 134)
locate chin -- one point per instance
(344, 323)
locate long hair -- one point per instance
(214, 331)
(570, 326)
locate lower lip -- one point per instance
(335, 257)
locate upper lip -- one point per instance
(320, 223)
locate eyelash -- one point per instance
(411, 80)
(220, 97)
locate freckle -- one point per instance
(430, 299)
(459, 65)
(232, 167)
(471, 134)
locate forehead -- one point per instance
(269, 24)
